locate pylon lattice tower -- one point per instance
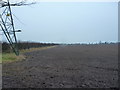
(7, 26)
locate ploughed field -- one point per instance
(65, 66)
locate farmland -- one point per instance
(65, 66)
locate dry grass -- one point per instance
(11, 57)
(35, 49)
(0, 57)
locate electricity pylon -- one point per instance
(7, 26)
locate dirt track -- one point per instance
(73, 66)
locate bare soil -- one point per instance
(65, 66)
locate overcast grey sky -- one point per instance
(68, 22)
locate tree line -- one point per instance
(24, 45)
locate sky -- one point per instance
(64, 0)
(67, 22)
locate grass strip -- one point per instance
(11, 57)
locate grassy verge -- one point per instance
(11, 57)
(35, 49)
(0, 57)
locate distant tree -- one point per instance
(100, 42)
(106, 42)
